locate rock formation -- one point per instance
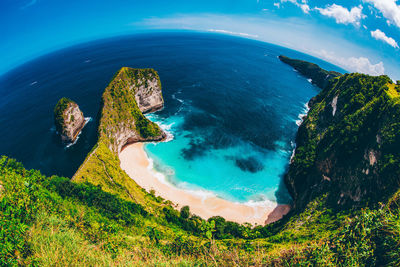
(131, 93)
(68, 119)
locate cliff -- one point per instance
(318, 76)
(68, 119)
(130, 93)
(348, 144)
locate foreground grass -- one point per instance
(42, 225)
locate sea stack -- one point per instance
(69, 119)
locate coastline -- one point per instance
(135, 163)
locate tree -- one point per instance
(185, 212)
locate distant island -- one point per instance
(344, 179)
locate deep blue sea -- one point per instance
(230, 108)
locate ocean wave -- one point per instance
(180, 101)
(33, 83)
(303, 114)
(160, 176)
(87, 119)
(165, 127)
(299, 122)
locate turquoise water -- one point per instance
(216, 170)
(230, 105)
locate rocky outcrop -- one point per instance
(131, 93)
(69, 119)
(318, 76)
(148, 94)
(348, 146)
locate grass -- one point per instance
(392, 90)
(73, 228)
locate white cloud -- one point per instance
(305, 8)
(360, 64)
(305, 38)
(388, 8)
(343, 15)
(303, 4)
(234, 33)
(379, 35)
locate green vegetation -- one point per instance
(120, 116)
(319, 76)
(352, 153)
(120, 110)
(53, 221)
(392, 90)
(59, 109)
(344, 180)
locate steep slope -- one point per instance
(348, 144)
(122, 122)
(318, 76)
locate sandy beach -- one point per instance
(135, 163)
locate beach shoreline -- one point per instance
(135, 162)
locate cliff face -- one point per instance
(148, 93)
(348, 145)
(131, 93)
(318, 76)
(68, 119)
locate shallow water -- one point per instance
(230, 105)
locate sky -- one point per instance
(357, 35)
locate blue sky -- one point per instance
(358, 35)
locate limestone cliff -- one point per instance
(318, 76)
(68, 119)
(148, 93)
(130, 93)
(348, 145)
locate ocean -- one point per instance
(231, 109)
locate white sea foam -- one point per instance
(87, 119)
(309, 80)
(33, 83)
(292, 156)
(303, 114)
(160, 176)
(299, 122)
(165, 127)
